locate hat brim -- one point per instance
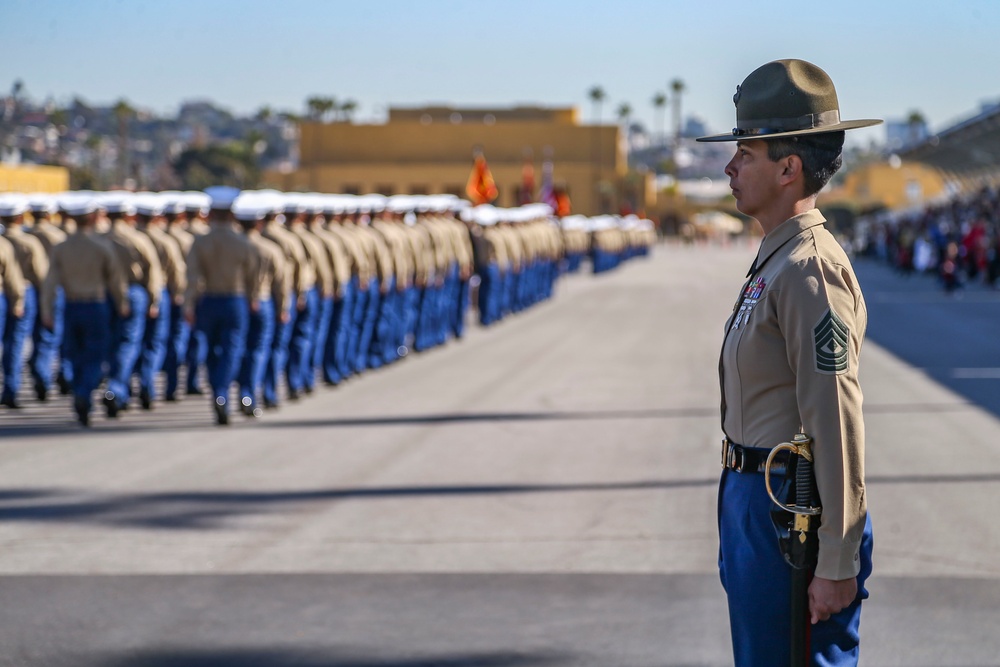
(827, 129)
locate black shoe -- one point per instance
(170, 398)
(111, 404)
(246, 406)
(293, 395)
(308, 390)
(221, 414)
(145, 400)
(194, 391)
(10, 402)
(82, 410)
(270, 405)
(64, 386)
(41, 391)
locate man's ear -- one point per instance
(791, 169)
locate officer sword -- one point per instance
(797, 534)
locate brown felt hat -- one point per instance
(787, 98)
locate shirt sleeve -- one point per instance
(823, 318)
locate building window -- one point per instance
(455, 190)
(352, 189)
(385, 189)
(418, 189)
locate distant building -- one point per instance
(902, 134)
(33, 178)
(429, 150)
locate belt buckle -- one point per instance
(732, 457)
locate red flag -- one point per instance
(481, 187)
(527, 193)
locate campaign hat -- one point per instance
(787, 98)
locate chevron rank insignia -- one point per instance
(832, 337)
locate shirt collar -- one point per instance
(785, 232)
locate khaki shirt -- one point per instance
(48, 234)
(317, 257)
(221, 263)
(183, 237)
(420, 250)
(302, 278)
(11, 278)
(378, 252)
(790, 362)
(398, 247)
(87, 269)
(138, 257)
(30, 254)
(274, 280)
(340, 261)
(361, 264)
(168, 249)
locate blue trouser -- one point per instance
(259, 340)
(194, 357)
(385, 322)
(461, 308)
(300, 346)
(154, 345)
(490, 288)
(371, 304)
(16, 332)
(223, 322)
(87, 338)
(277, 361)
(45, 342)
(335, 367)
(324, 329)
(126, 342)
(758, 582)
(177, 345)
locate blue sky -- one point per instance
(887, 57)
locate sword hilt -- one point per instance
(801, 446)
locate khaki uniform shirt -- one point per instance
(171, 260)
(378, 252)
(138, 257)
(790, 362)
(395, 242)
(361, 265)
(273, 278)
(30, 254)
(88, 270)
(317, 258)
(302, 278)
(221, 263)
(183, 237)
(48, 234)
(11, 277)
(340, 262)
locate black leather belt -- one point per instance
(751, 459)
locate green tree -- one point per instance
(232, 164)
(597, 96)
(659, 107)
(348, 108)
(123, 113)
(678, 88)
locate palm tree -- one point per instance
(123, 113)
(348, 107)
(677, 86)
(318, 107)
(624, 117)
(659, 106)
(915, 122)
(597, 96)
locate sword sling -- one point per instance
(796, 523)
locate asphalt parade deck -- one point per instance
(539, 493)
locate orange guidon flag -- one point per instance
(481, 188)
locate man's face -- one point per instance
(753, 177)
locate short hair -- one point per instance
(821, 155)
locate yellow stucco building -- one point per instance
(33, 178)
(429, 150)
(895, 185)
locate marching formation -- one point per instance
(266, 292)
